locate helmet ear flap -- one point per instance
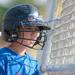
(9, 37)
(5, 35)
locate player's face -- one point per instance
(30, 33)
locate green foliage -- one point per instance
(24, 1)
(2, 11)
(40, 7)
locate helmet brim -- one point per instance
(43, 25)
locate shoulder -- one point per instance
(5, 51)
(4, 54)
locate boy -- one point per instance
(23, 28)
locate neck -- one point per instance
(17, 48)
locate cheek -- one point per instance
(26, 35)
(35, 36)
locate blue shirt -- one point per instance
(13, 64)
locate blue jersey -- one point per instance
(13, 64)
